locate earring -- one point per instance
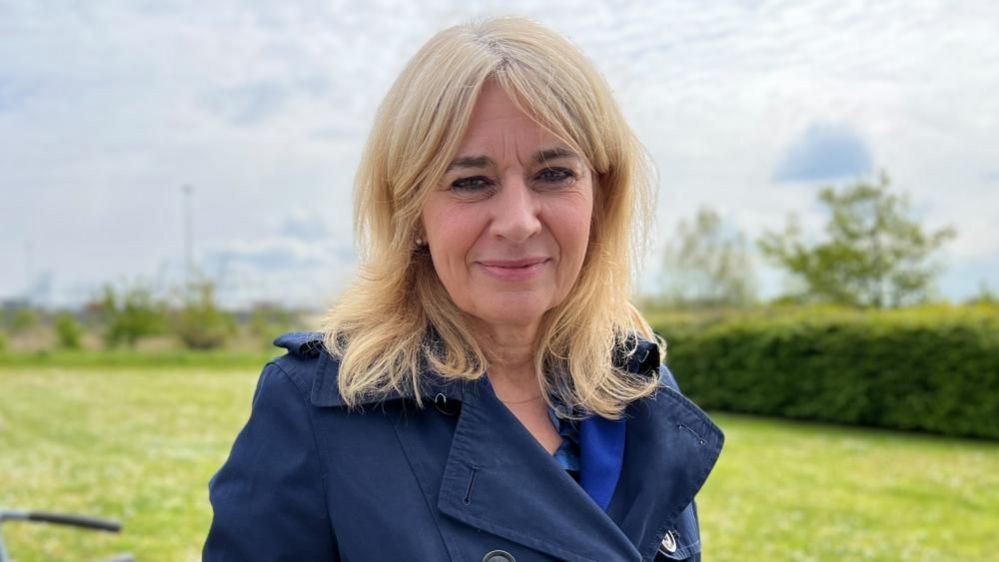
(420, 241)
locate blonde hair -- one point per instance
(397, 320)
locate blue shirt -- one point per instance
(592, 452)
(567, 454)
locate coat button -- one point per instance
(498, 556)
(668, 546)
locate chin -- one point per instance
(514, 312)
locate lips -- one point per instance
(514, 270)
(524, 262)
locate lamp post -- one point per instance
(187, 190)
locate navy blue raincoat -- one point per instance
(460, 480)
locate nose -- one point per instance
(517, 212)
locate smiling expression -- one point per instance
(509, 223)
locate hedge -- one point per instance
(934, 370)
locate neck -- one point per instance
(510, 353)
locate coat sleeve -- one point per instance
(268, 498)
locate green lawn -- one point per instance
(808, 492)
(141, 444)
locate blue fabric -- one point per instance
(602, 455)
(601, 445)
(309, 479)
(567, 454)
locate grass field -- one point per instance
(140, 444)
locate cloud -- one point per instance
(264, 107)
(294, 271)
(273, 254)
(304, 225)
(825, 152)
(257, 101)
(248, 104)
(13, 95)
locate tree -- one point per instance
(69, 333)
(875, 255)
(200, 323)
(708, 264)
(130, 315)
(986, 296)
(23, 320)
(268, 320)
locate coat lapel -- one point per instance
(670, 448)
(498, 478)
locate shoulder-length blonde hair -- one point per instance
(397, 320)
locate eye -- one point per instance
(470, 184)
(556, 176)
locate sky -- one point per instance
(108, 109)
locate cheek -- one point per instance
(571, 223)
(451, 232)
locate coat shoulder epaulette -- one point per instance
(301, 344)
(638, 355)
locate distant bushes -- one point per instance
(135, 318)
(266, 321)
(200, 323)
(129, 314)
(929, 369)
(69, 332)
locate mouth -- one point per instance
(514, 270)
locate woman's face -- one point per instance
(509, 224)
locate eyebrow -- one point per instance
(482, 161)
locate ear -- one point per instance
(420, 242)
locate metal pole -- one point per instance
(27, 270)
(188, 238)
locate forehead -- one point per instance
(496, 120)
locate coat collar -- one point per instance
(636, 356)
(326, 393)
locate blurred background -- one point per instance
(175, 191)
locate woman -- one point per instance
(485, 391)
